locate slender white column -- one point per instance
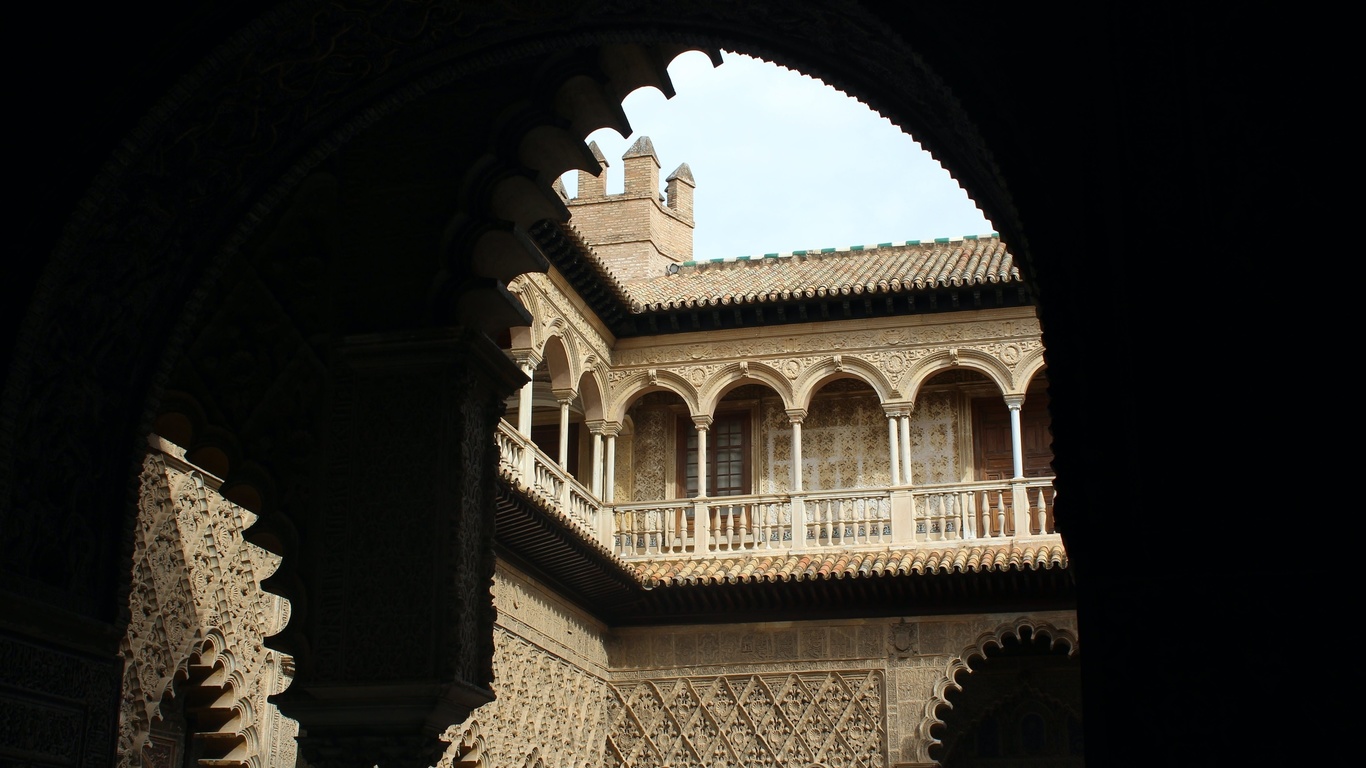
(1014, 403)
(796, 415)
(703, 423)
(609, 482)
(595, 479)
(905, 418)
(894, 448)
(564, 431)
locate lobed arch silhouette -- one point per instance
(247, 151)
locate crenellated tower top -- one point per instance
(640, 231)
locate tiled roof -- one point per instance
(565, 247)
(881, 269)
(719, 569)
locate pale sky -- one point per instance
(784, 162)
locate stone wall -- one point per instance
(791, 694)
(862, 693)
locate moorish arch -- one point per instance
(126, 254)
(636, 385)
(592, 392)
(847, 366)
(957, 672)
(733, 375)
(562, 360)
(970, 359)
(1030, 366)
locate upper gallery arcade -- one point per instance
(869, 395)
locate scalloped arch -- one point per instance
(964, 662)
(733, 375)
(468, 748)
(902, 95)
(825, 371)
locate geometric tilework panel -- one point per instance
(935, 439)
(844, 442)
(749, 721)
(651, 453)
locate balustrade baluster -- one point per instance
(1000, 514)
(939, 505)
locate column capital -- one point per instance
(564, 396)
(611, 428)
(897, 409)
(796, 415)
(526, 358)
(1014, 402)
(598, 426)
(702, 420)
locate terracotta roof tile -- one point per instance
(882, 269)
(1011, 555)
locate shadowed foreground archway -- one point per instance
(208, 241)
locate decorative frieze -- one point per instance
(892, 360)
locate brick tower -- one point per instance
(640, 231)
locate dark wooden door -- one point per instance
(992, 455)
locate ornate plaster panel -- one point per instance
(549, 666)
(547, 302)
(866, 691)
(197, 599)
(891, 355)
(936, 432)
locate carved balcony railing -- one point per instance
(904, 516)
(562, 492)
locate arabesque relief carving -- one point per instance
(544, 705)
(549, 665)
(744, 721)
(197, 583)
(551, 304)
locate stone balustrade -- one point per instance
(855, 518)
